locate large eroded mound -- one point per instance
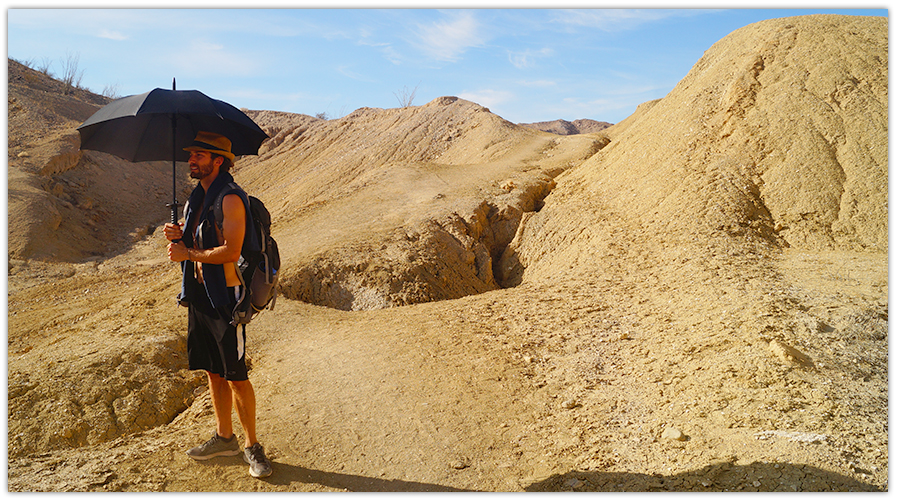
(777, 137)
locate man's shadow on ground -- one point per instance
(285, 475)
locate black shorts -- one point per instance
(214, 344)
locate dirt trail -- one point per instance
(558, 386)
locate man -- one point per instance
(210, 287)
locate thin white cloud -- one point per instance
(538, 83)
(345, 70)
(112, 35)
(201, 55)
(206, 48)
(614, 100)
(488, 98)
(617, 20)
(527, 58)
(387, 49)
(391, 54)
(257, 94)
(648, 88)
(447, 40)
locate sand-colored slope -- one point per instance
(777, 135)
(754, 153)
(400, 206)
(68, 205)
(702, 211)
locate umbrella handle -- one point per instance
(174, 206)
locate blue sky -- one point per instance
(526, 65)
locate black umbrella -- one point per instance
(157, 125)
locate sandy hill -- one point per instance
(65, 204)
(444, 188)
(693, 299)
(563, 127)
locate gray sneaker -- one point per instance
(217, 446)
(259, 464)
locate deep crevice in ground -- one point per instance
(449, 258)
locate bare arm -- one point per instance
(233, 227)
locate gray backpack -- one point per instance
(259, 262)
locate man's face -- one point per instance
(201, 164)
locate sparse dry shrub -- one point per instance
(45, 65)
(71, 76)
(405, 96)
(111, 91)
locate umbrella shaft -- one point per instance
(174, 170)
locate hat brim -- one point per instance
(211, 149)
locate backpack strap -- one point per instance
(219, 215)
(216, 207)
(254, 229)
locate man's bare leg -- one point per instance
(224, 442)
(220, 391)
(245, 404)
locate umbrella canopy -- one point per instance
(141, 127)
(159, 124)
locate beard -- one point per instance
(203, 170)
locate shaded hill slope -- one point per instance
(64, 204)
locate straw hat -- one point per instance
(212, 143)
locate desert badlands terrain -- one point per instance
(693, 299)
